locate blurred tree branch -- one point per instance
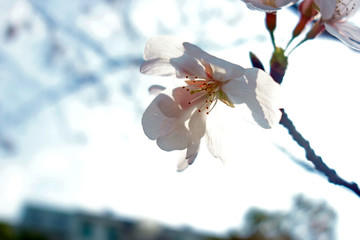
(31, 93)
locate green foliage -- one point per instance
(8, 232)
(307, 219)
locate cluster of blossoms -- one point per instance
(331, 15)
(177, 118)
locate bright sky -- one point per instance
(95, 156)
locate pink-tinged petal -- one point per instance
(221, 70)
(156, 89)
(327, 8)
(260, 93)
(186, 100)
(346, 32)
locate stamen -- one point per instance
(207, 92)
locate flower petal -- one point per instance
(183, 97)
(346, 32)
(163, 47)
(222, 70)
(176, 139)
(260, 93)
(256, 5)
(155, 123)
(268, 6)
(166, 56)
(327, 8)
(156, 89)
(173, 127)
(192, 151)
(169, 56)
(283, 3)
(188, 156)
(214, 139)
(182, 164)
(197, 125)
(158, 67)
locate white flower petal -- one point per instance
(283, 3)
(222, 70)
(166, 56)
(155, 123)
(158, 67)
(327, 8)
(197, 125)
(166, 122)
(255, 5)
(188, 156)
(346, 32)
(169, 56)
(176, 139)
(163, 47)
(260, 93)
(169, 107)
(182, 164)
(156, 89)
(192, 151)
(268, 6)
(214, 139)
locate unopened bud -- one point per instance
(278, 64)
(255, 61)
(308, 12)
(271, 21)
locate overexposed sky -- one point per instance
(81, 153)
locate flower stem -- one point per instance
(270, 21)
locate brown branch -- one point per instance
(277, 71)
(315, 159)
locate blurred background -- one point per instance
(75, 164)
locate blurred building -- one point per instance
(58, 224)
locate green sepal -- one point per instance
(224, 98)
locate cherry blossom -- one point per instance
(334, 15)
(177, 118)
(268, 5)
